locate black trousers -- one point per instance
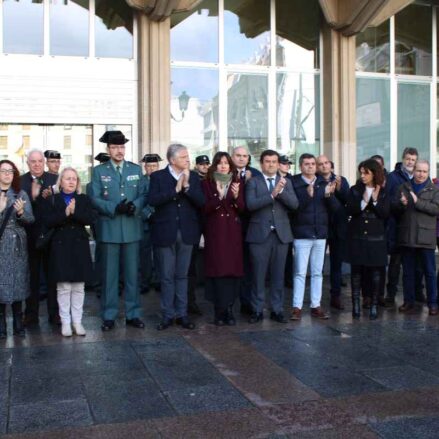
(39, 261)
(16, 307)
(222, 291)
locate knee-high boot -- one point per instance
(17, 319)
(356, 290)
(375, 281)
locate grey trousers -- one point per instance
(174, 263)
(270, 254)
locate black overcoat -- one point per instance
(69, 251)
(366, 239)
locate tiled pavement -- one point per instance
(312, 379)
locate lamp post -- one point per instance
(183, 103)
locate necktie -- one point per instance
(270, 184)
(119, 172)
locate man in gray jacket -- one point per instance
(416, 205)
(269, 199)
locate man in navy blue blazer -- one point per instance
(175, 193)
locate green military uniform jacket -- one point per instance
(108, 189)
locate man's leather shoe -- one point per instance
(194, 309)
(407, 308)
(318, 313)
(433, 310)
(246, 309)
(219, 321)
(136, 323)
(296, 314)
(256, 317)
(164, 324)
(337, 303)
(185, 323)
(107, 325)
(278, 317)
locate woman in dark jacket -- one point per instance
(70, 265)
(223, 236)
(368, 206)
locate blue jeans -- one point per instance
(312, 251)
(427, 258)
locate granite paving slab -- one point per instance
(408, 428)
(48, 415)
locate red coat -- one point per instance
(222, 232)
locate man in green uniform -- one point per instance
(118, 193)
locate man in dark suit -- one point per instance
(38, 186)
(241, 159)
(337, 230)
(269, 198)
(175, 193)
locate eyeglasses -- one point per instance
(6, 171)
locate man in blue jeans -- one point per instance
(416, 206)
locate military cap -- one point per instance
(285, 160)
(102, 157)
(114, 138)
(151, 158)
(52, 154)
(202, 159)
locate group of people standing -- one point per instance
(251, 222)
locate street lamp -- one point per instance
(183, 103)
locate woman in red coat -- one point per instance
(222, 235)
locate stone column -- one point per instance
(339, 106)
(154, 85)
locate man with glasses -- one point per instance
(118, 192)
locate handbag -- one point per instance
(43, 239)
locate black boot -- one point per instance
(373, 312)
(230, 318)
(3, 332)
(356, 288)
(17, 322)
(219, 317)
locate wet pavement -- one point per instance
(308, 379)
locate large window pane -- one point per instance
(297, 30)
(247, 32)
(414, 118)
(194, 34)
(23, 27)
(373, 119)
(373, 49)
(247, 112)
(197, 125)
(298, 128)
(413, 35)
(113, 29)
(69, 27)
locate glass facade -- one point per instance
(254, 82)
(23, 27)
(68, 28)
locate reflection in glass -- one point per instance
(373, 49)
(69, 27)
(413, 35)
(297, 30)
(247, 32)
(23, 26)
(197, 125)
(247, 112)
(373, 119)
(414, 118)
(113, 29)
(298, 128)
(194, 34)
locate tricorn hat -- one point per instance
(52, 154)
(114, 138)
(202, 159)
(151, 158)
(102, 157)
(285, 160)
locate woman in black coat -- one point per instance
(368, 207)
(70, 264)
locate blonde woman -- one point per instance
(70, 265)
